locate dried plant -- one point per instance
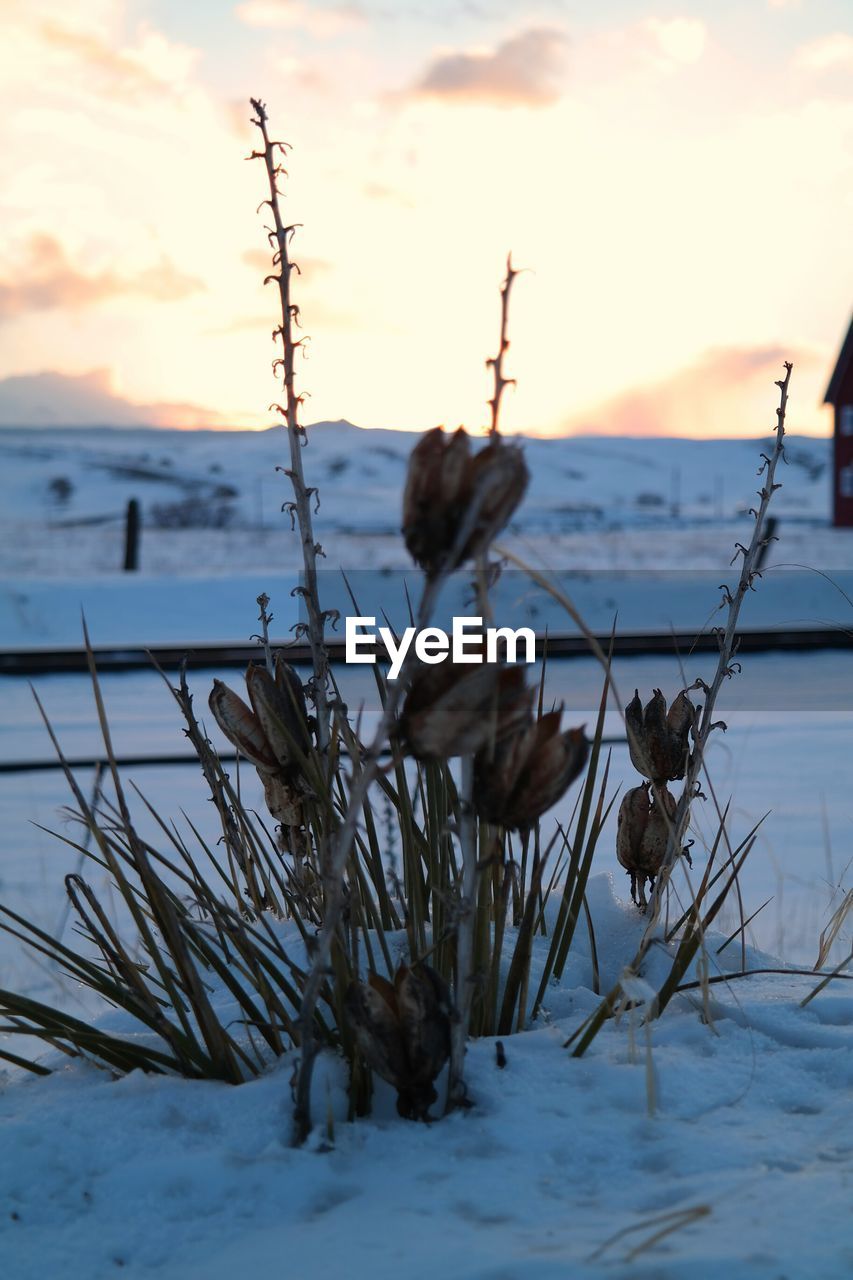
(403, 1031)
(442, 478)
(520, 777)
(732, 602)
(457, 709)
(279, 235)
(659, 740)
(285, 936)
(642, 834)
(659, 745)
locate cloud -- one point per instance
(527, 69)
(155, 65)
(678, 40)
(381, 191)
(52, 399)
(728, 391)
(322, 21)
(44, 278)
(260, 261)
(828, 53)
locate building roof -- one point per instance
(842, 367)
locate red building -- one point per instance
(839, 394)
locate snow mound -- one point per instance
(686, 1148)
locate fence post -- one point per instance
(131, 536)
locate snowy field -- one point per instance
(732, 1137)
(717, 1142)
(709, 1149)
(641, 529)
(211, 501)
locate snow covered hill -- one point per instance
(69, 488)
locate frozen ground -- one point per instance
(214, 500)
(642, 529)
(133, 611)
(732, 1136)
(718, 1145)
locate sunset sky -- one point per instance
(677, 178)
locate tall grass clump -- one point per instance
(292, 932)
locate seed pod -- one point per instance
(435, 494)
(279, 715)
(454, 708)
(680, 720)
(283, 800)
(642, 835)
(403, 1032)
(425, 1007)
(500, 473)
(240, 726)
(443, 479)
(527, 773)
(371, 1010)
(291, 686)
(659, 742)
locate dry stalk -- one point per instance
(335, 859)
(456, 1091)
(496, 363)
(279, 236)
(265, 618)
(727, 639)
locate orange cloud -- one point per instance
(45, 278)
(53, 399)
(728, 391)
(526, 69)
(154, 66)
(260, 262)
(286, 15)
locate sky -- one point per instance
(675, 180)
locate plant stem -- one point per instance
(496, 363)
(280, 235)
(728, 645)
(335, 861)
(456, 1092)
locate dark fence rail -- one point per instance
(182, 758)
(130, 658)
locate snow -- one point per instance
(714, 1142)
(639, 528)
(741, 1127)
(592, 503)
(125, 610)
(576, 481)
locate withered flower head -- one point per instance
(279, 706)
(403, 1032)
(500, 474)
(241, 726)
(455, 708)
(371, 1011)
(526, 773)
(659, 741)
(443, 479)
(273, 734)
(642, 835)
(435, 494)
